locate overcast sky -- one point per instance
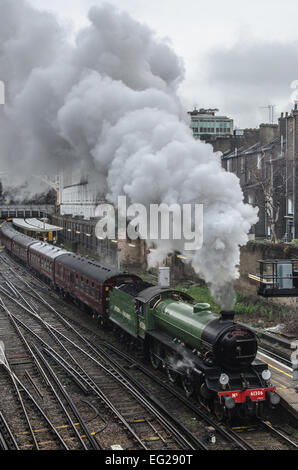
(239, 55)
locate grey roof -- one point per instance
(8, 230)
(251, 149)
(92, 269)
(35, 225)
(147, 294)
(24, 240)
(242, 151)
(48, 250)
(150, 292)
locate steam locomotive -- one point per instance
(211, 356)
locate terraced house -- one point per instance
(268, 175)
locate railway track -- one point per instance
(7, 440)
(119, 383)
(33, 433)
(157, 426)
(264, 435)
(275, 355)
(277, 345)
(236, 436)
(194, 440)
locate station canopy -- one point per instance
(35, 225)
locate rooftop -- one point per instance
(35, 225)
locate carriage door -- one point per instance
(72, 281)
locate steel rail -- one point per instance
(229, 435)
(13, 321)
(83, 376)
(281, 359)
(94, 444)
(139, 391)
(273, 430)
(7, 440)
(200, 444)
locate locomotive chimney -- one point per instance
(227, 315)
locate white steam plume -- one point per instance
(108, 106)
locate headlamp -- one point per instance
(224, 379)
(266, 374)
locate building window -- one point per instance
(251, 199)
(290, 206)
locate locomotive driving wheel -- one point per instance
(154, 355)
(171, 373)
(188, 385)
(218, 410)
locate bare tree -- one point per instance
(271, 183)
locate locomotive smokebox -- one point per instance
(227, 315)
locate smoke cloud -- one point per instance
(108, 106)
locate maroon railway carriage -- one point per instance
(7, 233)
(16, 242)
(88, 281)
(42, 258)
(20, 246)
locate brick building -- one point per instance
(288, 124)
(79, 235)
(267, 171)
